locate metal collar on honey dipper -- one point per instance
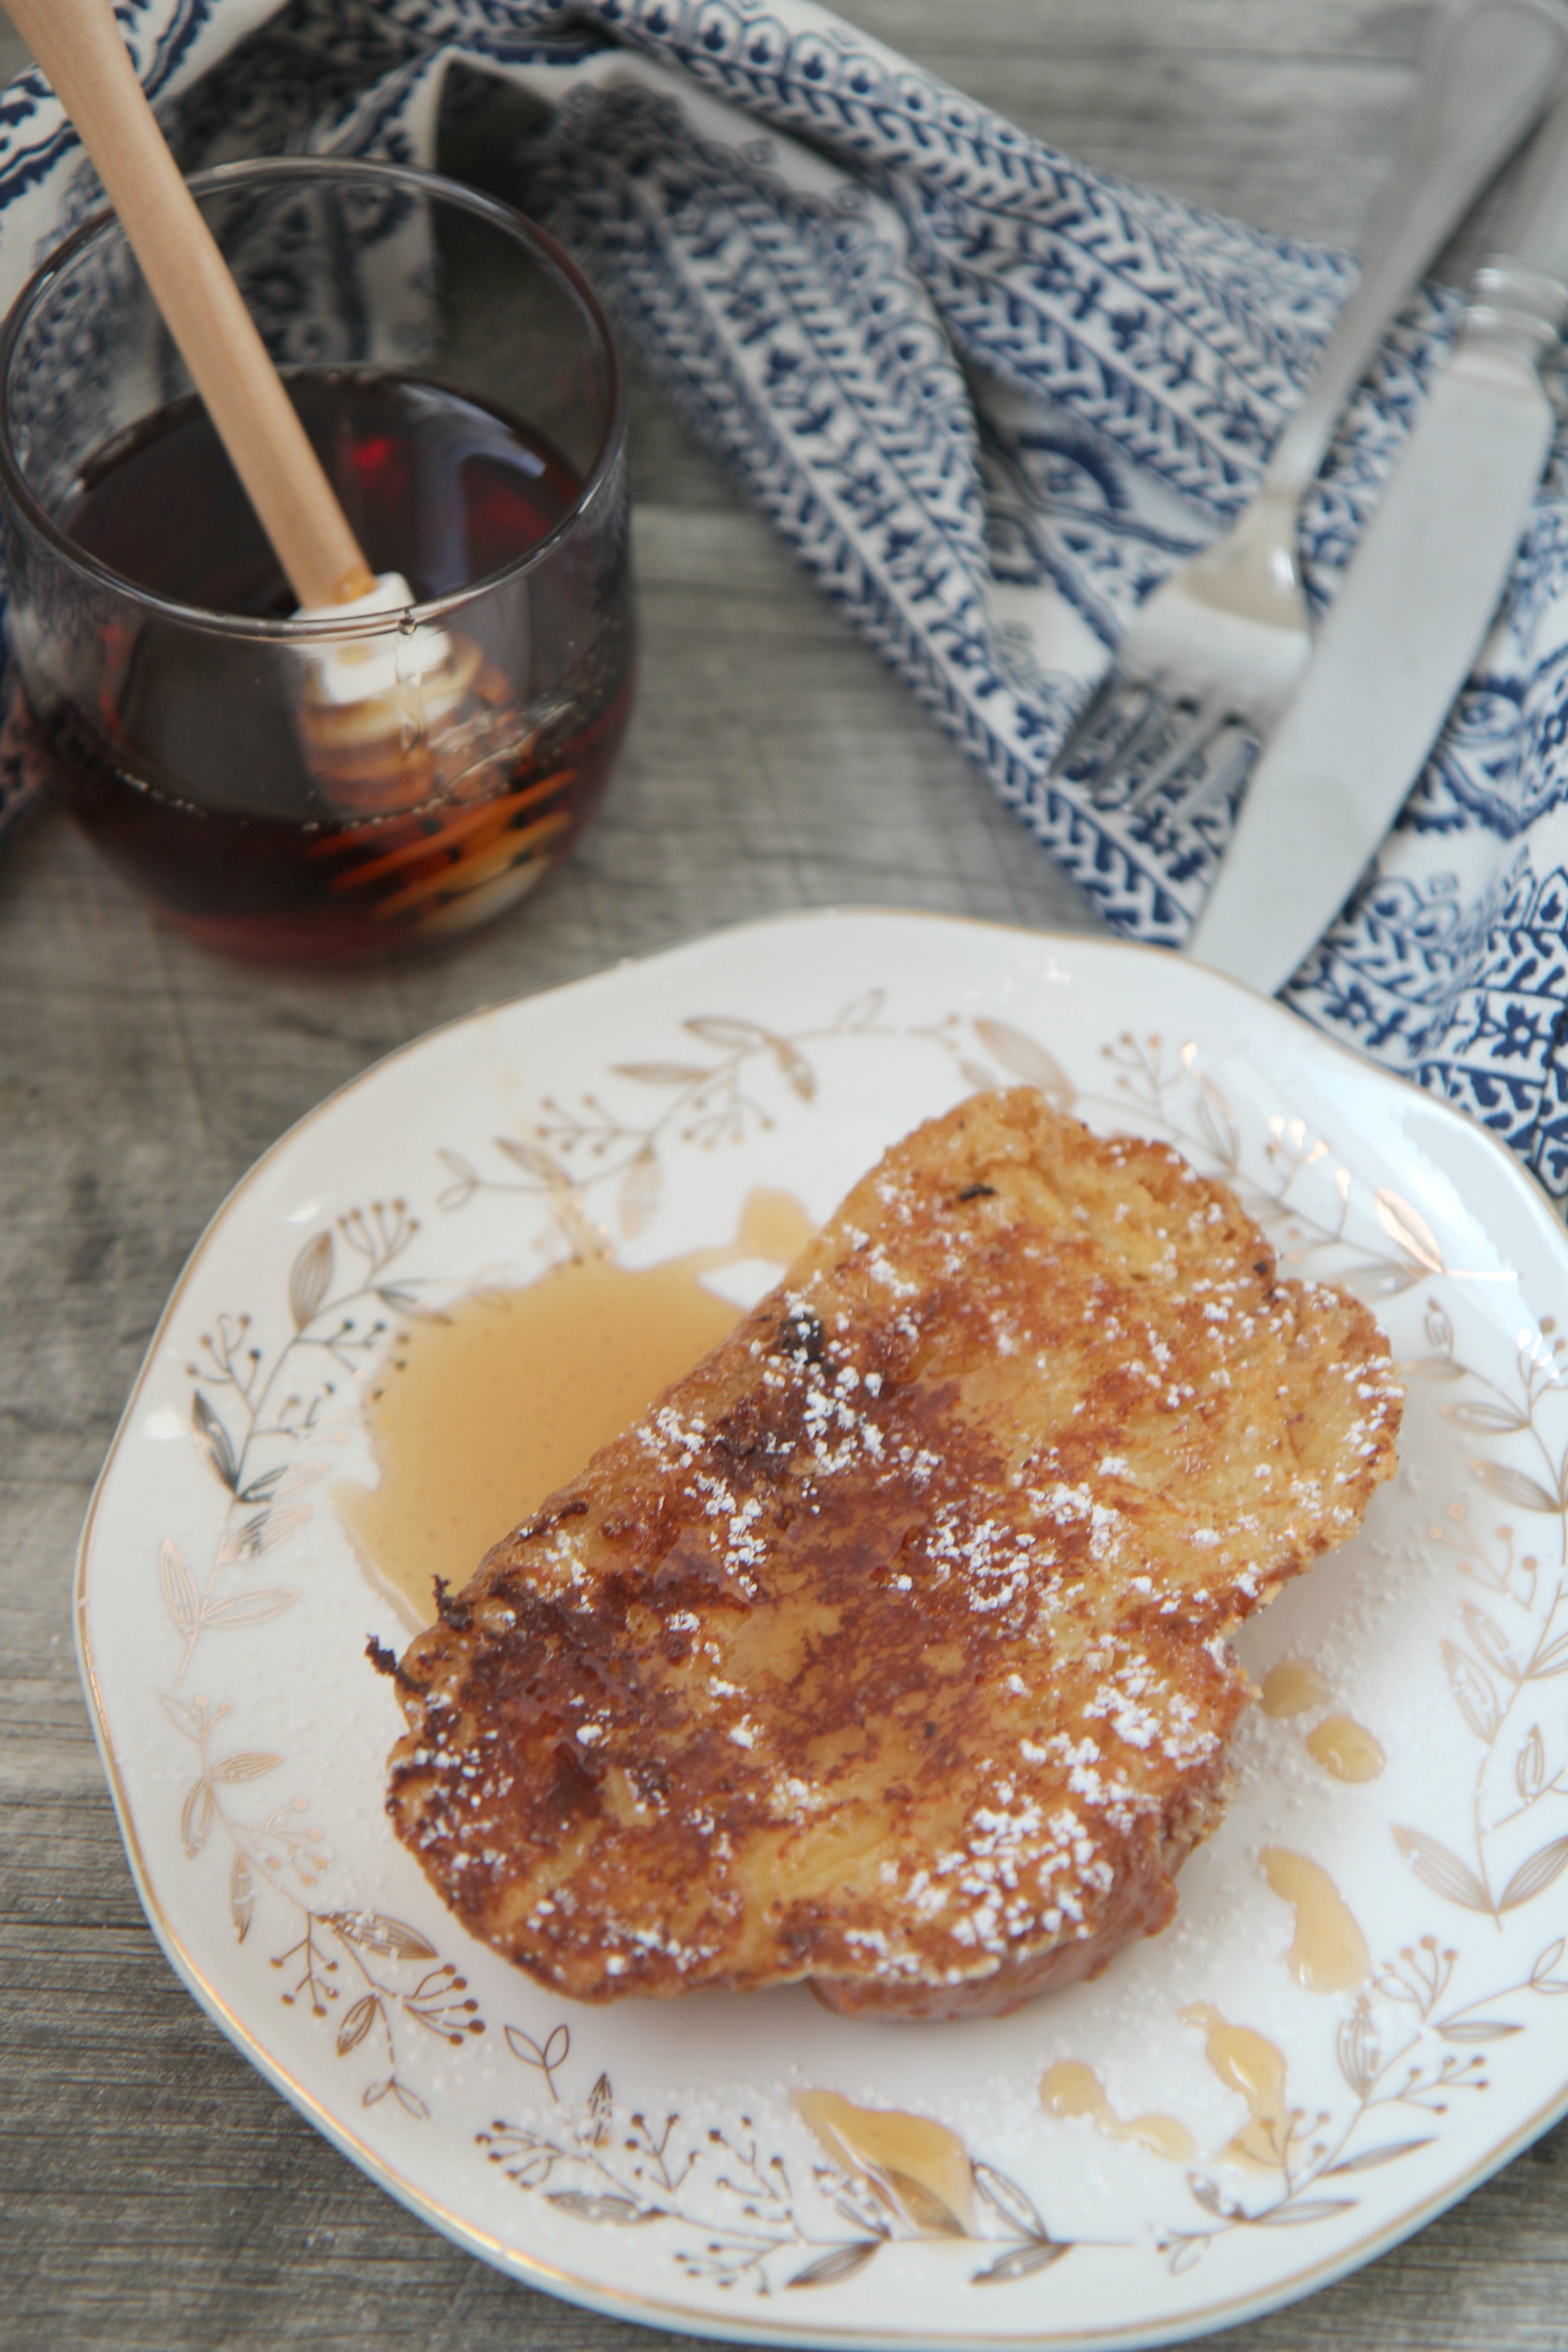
(388, 722)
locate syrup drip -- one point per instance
(1346, 1749)
(1328, 1953)
(474, 1420)
(1292, 1687)
(1247, 2063)
(1072, 2089)
(918, 2169)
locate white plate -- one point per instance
(646, 2158)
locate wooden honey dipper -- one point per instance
(387, 720)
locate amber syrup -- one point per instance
(254, 859)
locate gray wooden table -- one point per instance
(153, 2192)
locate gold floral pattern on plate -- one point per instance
(631, 2167)
(737, 2209)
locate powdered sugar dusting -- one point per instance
(892, 1648)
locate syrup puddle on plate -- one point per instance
(1328, 1953)
(1248, 2064)
(1072, 2089)
(916, 2166)
(475, 1419)
(1292, 1687)
(1346, 1749)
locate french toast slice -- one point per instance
(888, 1651)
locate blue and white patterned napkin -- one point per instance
(990, 398)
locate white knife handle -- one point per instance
(1518, 297)
(1489, 68)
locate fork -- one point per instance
(1211, 660)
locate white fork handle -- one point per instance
(1489, 69)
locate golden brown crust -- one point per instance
(889, 1649)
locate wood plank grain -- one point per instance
(153, 2192)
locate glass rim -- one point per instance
(315, 631)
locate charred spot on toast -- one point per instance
(800, 1336)
(888, 1650)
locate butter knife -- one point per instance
(1413, 609)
